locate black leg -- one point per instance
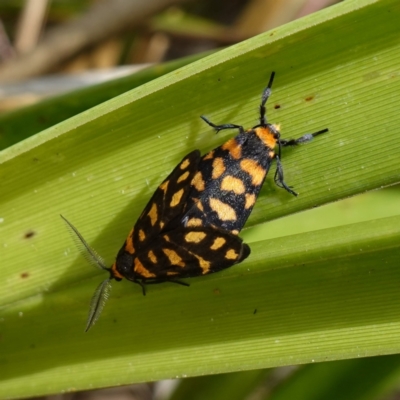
(303, 139)
(179, 282)
(223, 126)
(278, 178)
(141, 283)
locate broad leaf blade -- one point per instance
(337, 296)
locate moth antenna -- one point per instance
(83, 246)
(100, 296)
(102, 292)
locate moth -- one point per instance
(191, 224)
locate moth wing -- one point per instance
(168, 201)
(193, 251)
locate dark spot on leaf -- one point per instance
(309, 98)
(29, 234)
(25, 275)
(255, 311)
(277, 106)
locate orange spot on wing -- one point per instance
(183, 177)
(141, 270)
(153, 214)
(250, 200)
(200, 206)
(184, 164)
(231, 255)
(218, 167)
(164, 186)
(173, 257)
(194, 222)
(225, 211)
(204, 265)
(234, 148)
(209, 156)
(176, 198)
(142, 235)
(198, 182)
(233, 184)
(129, 243)
(195, 237)
(218, 243)
(254, 169)
(152, 257)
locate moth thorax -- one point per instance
(268, 134)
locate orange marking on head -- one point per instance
(176, 198)
(194, 222)
(218, 167)
(152, 257)
(218, 243)
(142, 235)
(234, 148)
(233, 184)
(173, 257)
(129, 243)
(198, 182)
(195, 237)
(141, 270)
(231, 255)
(209, 156)
(153, 214)
(183, 177)
(115, 273)
(225, 211)
(254, 169)
(250, 200)
(266, 136)
(184, 164)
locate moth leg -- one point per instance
(153, 281)
(178, 282)
(278, 177)
(303, 139)
(142, 285)
(223, 126)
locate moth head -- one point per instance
(123, 265)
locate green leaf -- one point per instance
(313, 296)
(361, 379)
